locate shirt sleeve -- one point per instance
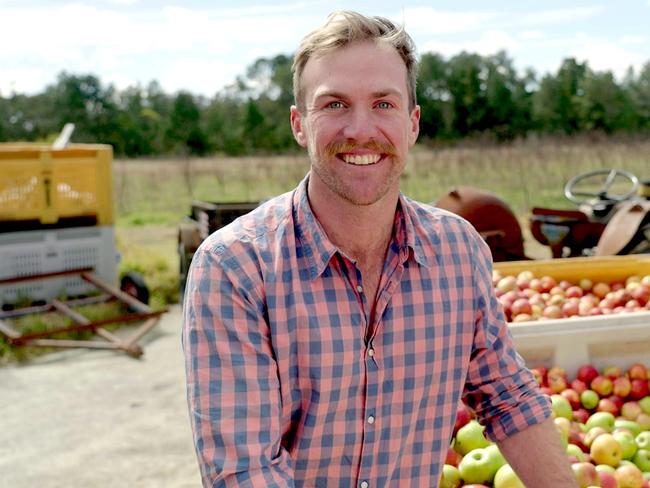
(233, 389)
(499, 387)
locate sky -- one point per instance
(201, 46)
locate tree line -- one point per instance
(465, 96)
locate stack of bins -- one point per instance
(56, 214)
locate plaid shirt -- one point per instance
(286, 389)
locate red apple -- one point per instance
(552, 312)
(622, 386)
(600, 289)
(586, 373)
(602, 385)
(574, 292)
(585, 474)
(607, 480)
(547, 282)
(463, 416)
(617, 400)
(570, 308)
(641, 294)
(452, 458)
(580, 415)
(507, 283)
(637, 371)
(572, 396)
(578, 385)
(612, 372)
(521, 305)
(639, 389)
(607, 405)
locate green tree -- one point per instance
(604, 105)
(184, 135)
(556, 105)
(434, 97)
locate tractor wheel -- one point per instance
(133, 284)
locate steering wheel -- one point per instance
(604, 178)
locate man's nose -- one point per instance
(360, 125)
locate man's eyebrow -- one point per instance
(378, 94)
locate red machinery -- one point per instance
(613, 217)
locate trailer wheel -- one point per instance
(133, 284)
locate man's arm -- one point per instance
(233, 389)
(537, 456)
(506, 397)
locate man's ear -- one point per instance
(415, 125)
(296, 127)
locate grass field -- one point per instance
(152, 196)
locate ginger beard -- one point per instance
(330, 168)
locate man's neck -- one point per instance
(361, 232)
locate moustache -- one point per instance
(335, 148)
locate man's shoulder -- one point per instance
(428, 215)
(253, 229)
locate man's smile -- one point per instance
(360, 159)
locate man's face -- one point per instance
(356, 123)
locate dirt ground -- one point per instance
(100, 419)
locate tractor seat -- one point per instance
(555, 216)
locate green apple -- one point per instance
(605, 449)
(630, 425)
(576, 452)
(561, 407)
(589, 399)
(450, 477)
(469, 437)
(601, 419)
(478, 466)
(643, 440)
(627, 442)
(507, 478)
(495, 453)
(605, 467)
(644, 403)
(642, 459)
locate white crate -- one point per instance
(604, 340)
(46, 251)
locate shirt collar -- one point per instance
(318, 250)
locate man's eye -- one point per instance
(384, 105)
(335, 105)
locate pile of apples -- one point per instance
(525, 297)
(602, 417)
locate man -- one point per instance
(330, 333)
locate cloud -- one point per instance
(544, 17)
(489, 42)
(605, 55)
(531, 35)
(431, 21)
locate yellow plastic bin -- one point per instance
(47, 186)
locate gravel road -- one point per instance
(99, 419)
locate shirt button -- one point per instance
(371, 419)
(360, 288)
(364, 484)
(371, 352)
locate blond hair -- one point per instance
(345, 27)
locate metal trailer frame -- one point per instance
(140, 312)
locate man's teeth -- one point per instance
(361, 160)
